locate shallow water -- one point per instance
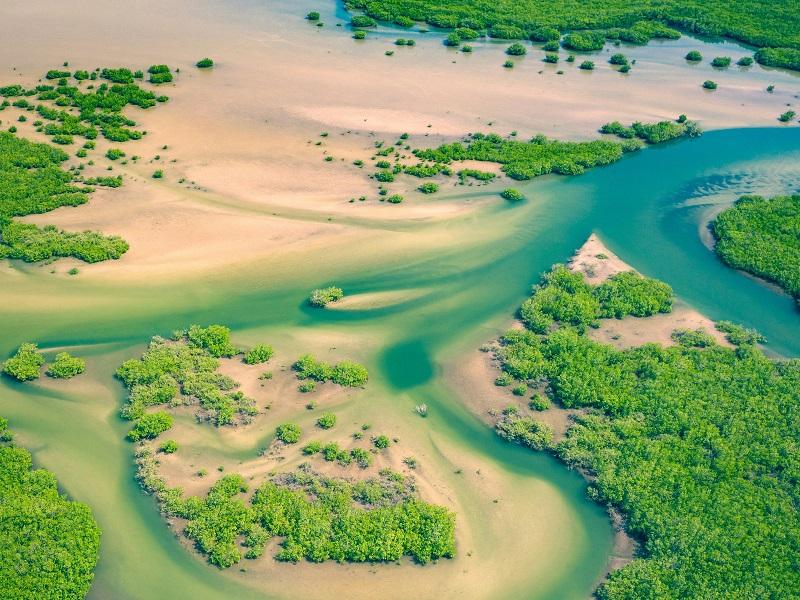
(649, 208)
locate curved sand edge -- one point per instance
(374, 300)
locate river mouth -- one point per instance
(470, 256)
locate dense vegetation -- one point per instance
(694, 444)
(346, 373)
(32, 181)
(324, 296)
(762, 23)
(654, 133)
(762, 237)
(525, 160)
(183, 371)
(26, 364)
(319, 518)
(49, 544)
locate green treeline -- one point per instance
(694, 444)
(762, 23)
(654, 133)
(539, 156)
(762, 237)
(319, 518)
(31, 182)
(48, 544)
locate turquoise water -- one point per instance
(650, 208)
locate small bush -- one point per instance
(381, 442)
(168, 447)
(721, 62)
(288, 433)
(512, 194)
(260, 353)
(150, 426)
(516, 49)
(428, 188)
(709, 85)
(323, 296)
(326, 421)
(362, 21)
(618, 59)
(745, 61)
(694, 56)
(313, 16)
(550, 58)
(66, 366)
(25, 364)
(204, 63)
(587, 65)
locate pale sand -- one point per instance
(375, 300)
(631, 331)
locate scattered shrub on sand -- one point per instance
(618, 59)
(362, 21)
(259, 354)
(66, 366)
(26, 363)
(207, 63)
(313, 16)
(288, 433)
(394, 199)
(694, 56)
(359, 35)
(721, 62)
(326, 421)
(587, 65)
(428, 188)
(745, 61)
(787, 116)
(654, 133)
(321, 297)
(114, 154)
(516, 49)
(709, 85)
(550, 58)
(158, 174)
(168, 447)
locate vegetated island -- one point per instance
(694, 443)
(320, 517)
(762, 236)
(773, 27)
(49, 544)
(32, 180)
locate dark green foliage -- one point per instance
(550, 58)
(693, 338)
(313, 16)
(31, 243)
(381, 442)
(359, 35)
(114, 154)
(168, 447)
(709, 85)
(113, 182)
(512, 194)
(565, 297)
(694, 56)
(394, 199)
(56, 74)
(324, 296)
(787, 116)
(345, 373)
(66, 366)
(618, 59)
(694, 444)
(121, 75)
(516, 49)
(363, 21)
(552, 46)
(587, 65)
(585, 41)
(158, 174)
(188, 368)
(721, 62)
(288, 433)
(654, 133)
(384, 176)
(26, 363)
(214, 339)
(160, 74)
(525, 160)
(762, 237)
(762, 24)
(788, 58)
(258, 354)
(428, 188)
(326, 421)
(738, 335)
(745, 61)
(150, 425)
(476, 174)
(207, 63)
(49, 544)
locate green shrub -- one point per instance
(587, 65)
(694, 56)
(394, 199)
(26, 363)
(168, 447)
(539, 403)
(362, 21)
(381, 442)
(321, 297)
(259, 354)
(66, 366)
(313, 16)
(214, 339)
(787, 58)
(512, 194)
(114, 154)
(207, 63)
(525, 431)
(745, 61)
(516, 49)
(585, 41)
(787, 116)
(550, 58)
(158, 174)
(428, 188)
(721, 62)
(150, 426)
(359, 35)
(709, 85)
(288, 433)
(618, 59)
(326, 421)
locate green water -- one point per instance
(638, 206)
